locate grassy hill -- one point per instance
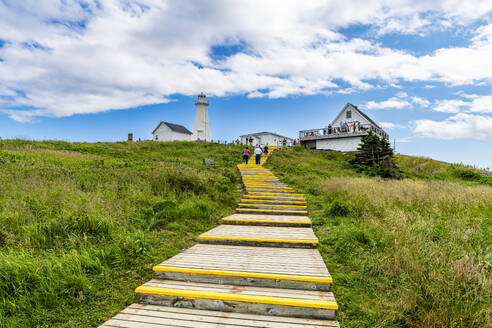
(82, 225)
(415, 252)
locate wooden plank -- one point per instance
(260, 232)
(268, 217)
(257, 295)
(251, 259)
(147, 316)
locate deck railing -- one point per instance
(342, 131)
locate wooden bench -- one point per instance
(207, 161)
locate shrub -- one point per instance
(467, 175)
(338, 208)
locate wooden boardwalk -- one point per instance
(260, 268)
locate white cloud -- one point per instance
(449, 106)
(472, 104)
(420, 101)
(456, 127)
(67, 56)
(389, 125)
(392, 103)
(400, 101)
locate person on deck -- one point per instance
(258, 152)
(265, 149)
(246, 154)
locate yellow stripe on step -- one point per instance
(265, 221)
(272, 201)
(266, 211)
(269, 190)
(260, 240)
(254, 196)
(320, 304)
(327, 280)
(272, 205)
(272, 193)
(268, 187)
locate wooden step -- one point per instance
(273, 193)
(295, 268)
(154, 316)
(278, 191)
(259, 180)
(260, 236)
(268, 220)
(290, 197)
(270, 185)
(273, 206)
(257, 175)
(241, 299)
(275, 202)
(269, 212)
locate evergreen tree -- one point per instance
(375, 157)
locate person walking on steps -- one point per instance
(258, 152)
(265, 149)
(246, 154)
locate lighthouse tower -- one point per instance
(201, 129)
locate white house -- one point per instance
(267, 138)
(171, 132)
(344, 133)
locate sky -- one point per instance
(95, 70)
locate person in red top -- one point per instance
(246, 154)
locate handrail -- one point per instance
(339, 130)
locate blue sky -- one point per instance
(96, 70)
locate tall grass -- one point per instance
(82, 224)
(408, 253)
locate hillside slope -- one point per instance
(82, 223)
(415, 252)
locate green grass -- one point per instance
(82, 224)
(415, 252)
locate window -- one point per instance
(349, 114)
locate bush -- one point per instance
(467, 175)
(338, 208)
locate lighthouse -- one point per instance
(201, 129)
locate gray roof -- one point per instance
(174, 127)
(261, 133)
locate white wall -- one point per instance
(201, 127)
(164, 133)
(267, 139)
(355, 117)
(340, 144)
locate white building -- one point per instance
(171, 132)
(201, 128)
(344, 133)
(267, 138)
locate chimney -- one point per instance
(130, 137)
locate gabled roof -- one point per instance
(174, 127)
(261, 133)
(358, 111)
